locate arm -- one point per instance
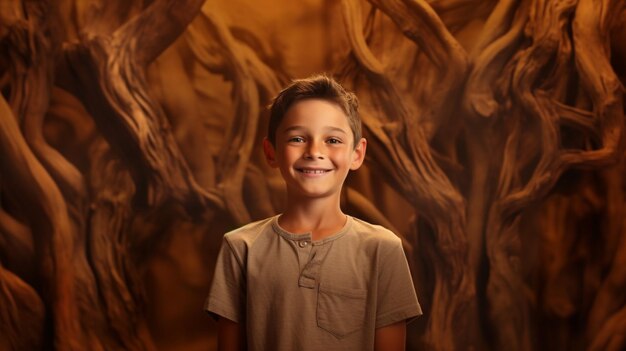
(391, 337)
(230, 336)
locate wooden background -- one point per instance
(129, 143)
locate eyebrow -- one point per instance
(329, 128)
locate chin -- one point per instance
(318, 194)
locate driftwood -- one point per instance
(497, 128)
(404, 152)
(506, 95)
(93, 304)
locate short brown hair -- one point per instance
(315, 87)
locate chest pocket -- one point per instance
(340, 311)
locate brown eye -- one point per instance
(296, 140)
(334, 141)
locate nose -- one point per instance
(314, 151)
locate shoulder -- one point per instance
(246, 235)
(376, 235)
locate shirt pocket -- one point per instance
(340, 311)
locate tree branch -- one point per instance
(419, 22)
(45, 209)
(456, 14)
(16, 247)
(21, 316)
(400, 148)
(155, 29)
(248, 73)
(598, 79)
(124, 112)
(499, 40)
(110, 222)
(37, 87)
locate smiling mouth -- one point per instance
(312, 171)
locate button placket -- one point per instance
(310, 273)
(302, 251)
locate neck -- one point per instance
(321, 217)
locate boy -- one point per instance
(312, 278)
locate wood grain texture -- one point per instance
(129, 143)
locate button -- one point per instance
(303, 243)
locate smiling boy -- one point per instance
(312, 278)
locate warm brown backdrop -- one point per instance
(129, 134)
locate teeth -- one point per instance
(313, 171)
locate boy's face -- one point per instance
(314, 150)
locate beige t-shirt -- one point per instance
(294, 294)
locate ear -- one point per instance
(358, 155)
(270, 153)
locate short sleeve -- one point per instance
(228, 292)
(396, 297)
